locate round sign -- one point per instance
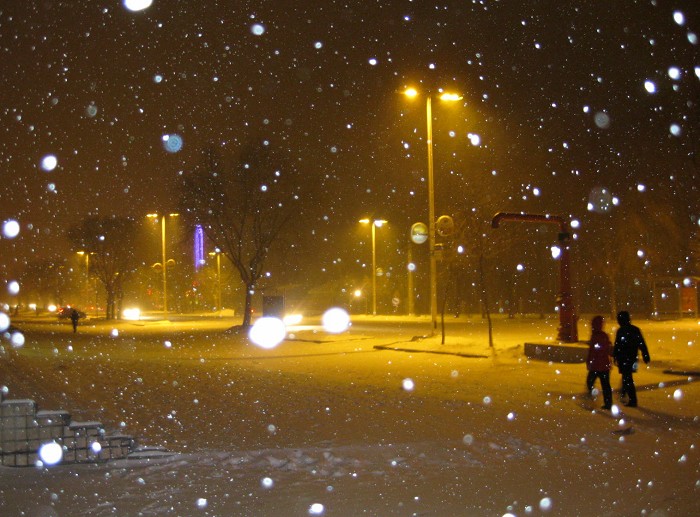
(419, 233)
(445, 226)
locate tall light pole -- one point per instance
(87, 277)
(444, 96)
(164, 263)
(377, 223)
(217, 252)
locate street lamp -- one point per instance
(165, 262)
(377, 223)
(449, 97)
(87, 276)
(217, 252)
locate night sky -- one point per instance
(560, 98)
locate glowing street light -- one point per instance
(377, 223)
(165, 261)
(448, 97)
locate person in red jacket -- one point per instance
(599, 360)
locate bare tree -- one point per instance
(45, 281)
(244, 209)
(632, 244)
(110, 243)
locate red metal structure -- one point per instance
(568, 328)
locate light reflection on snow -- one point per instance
(678, 394)
(408, 384)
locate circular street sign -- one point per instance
(419, 233)
(445, 226)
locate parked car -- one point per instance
(65, 312)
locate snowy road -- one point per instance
(330, 424)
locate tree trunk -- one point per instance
(109, 309)
(248, 311)
(484, 301)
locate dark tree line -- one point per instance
(109, 241)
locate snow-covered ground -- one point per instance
(329, 424)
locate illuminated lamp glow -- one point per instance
(292, 319)
(132, 314)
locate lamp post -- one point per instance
(377, 223)
(164, 263)
(444, 96)
(217, 252)
(87, 276)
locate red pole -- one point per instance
(568, 327)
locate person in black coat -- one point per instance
(74, 317)
(628, 343)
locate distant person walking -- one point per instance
(628, 342)
(74, 317)
(599, 360)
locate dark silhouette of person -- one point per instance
(599, 360)
(628, 343)
(74, 317)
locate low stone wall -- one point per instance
(24, 430)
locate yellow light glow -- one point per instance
(446, 96)
(132, 314)
(358, 293)
(292, 319)
(411, 92)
